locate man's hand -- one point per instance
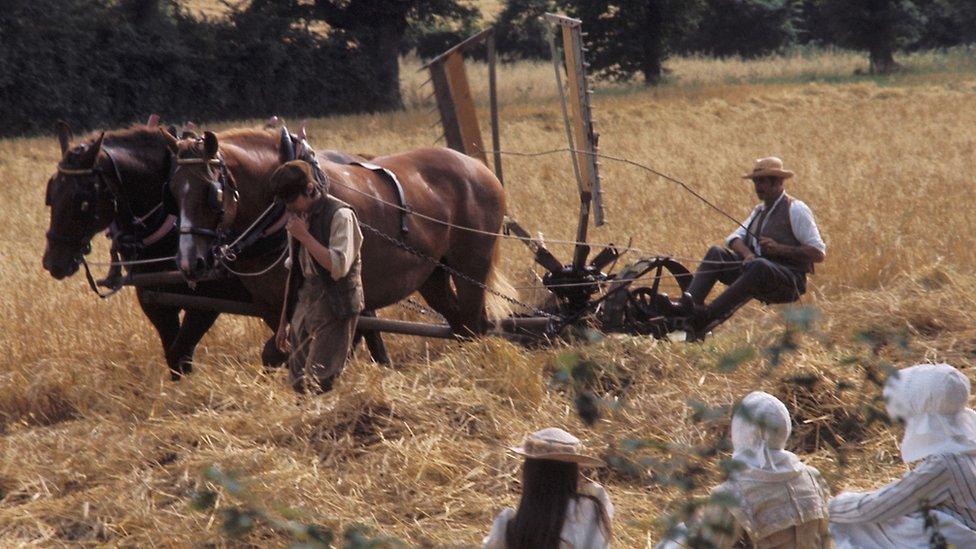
(281, 338)
(742, 250)
(771, 248)
(298, 229)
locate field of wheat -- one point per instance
(98, 447)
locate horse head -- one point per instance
(80, 203)
(204, 193)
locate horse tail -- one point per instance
(495, 306)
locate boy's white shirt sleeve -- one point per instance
(345, 240)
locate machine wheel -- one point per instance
(632, 306)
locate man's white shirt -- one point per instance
(801, 219)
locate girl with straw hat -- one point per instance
(774, 501)
(556, 509)
(940, 434)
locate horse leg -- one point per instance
(166, 320)
(374, 342)
(437, 292)
(180, 353)
(470, 296)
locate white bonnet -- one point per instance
(926, 389)
(932, 401)
(760, 428)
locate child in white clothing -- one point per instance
(556, 510)
(940, 434)
(777, 501)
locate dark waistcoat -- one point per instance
(344, 296)
(778, 227)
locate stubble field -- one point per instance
(98, 447)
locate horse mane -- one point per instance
(238, 133)
(135, 135)
(258, 135)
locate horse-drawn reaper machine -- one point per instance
(584, 291)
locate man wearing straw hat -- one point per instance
(766, 258)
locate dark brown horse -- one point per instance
(438, 184)
(116, 179)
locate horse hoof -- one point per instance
(175, 376)
(271, 357)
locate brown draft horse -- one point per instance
(438, 183)
(116, 179)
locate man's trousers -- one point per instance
(760, 279)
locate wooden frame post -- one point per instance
(456, 104)
(582, 138)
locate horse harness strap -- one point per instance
(76, 171)
(120, 201)
(390, 178)
(261, 236)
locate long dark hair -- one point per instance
(547, 487)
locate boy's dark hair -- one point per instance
(292, 180)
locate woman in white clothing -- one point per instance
(777, 501)
(557, 510)
(940, 434)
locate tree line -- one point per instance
(109, 62)
(630, 38)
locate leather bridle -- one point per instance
(102, 185)
(222, 195)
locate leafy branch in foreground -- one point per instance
(584, 378)
(239, 520)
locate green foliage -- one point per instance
(429, 34)
(429, 39)
(582, 377)
(107, 63)
(634, 37)
(379, 28)
(104, 63)
(521, 31)
(812, 24)
(358, 536)
(797, 320)
(686, 468)
(947, 23)
(747, 28)
(630, 37)
(730, 361)
(879, 27)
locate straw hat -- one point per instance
(557, 445)
(768, 167)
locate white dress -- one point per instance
(581, 530)
(891, 516)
